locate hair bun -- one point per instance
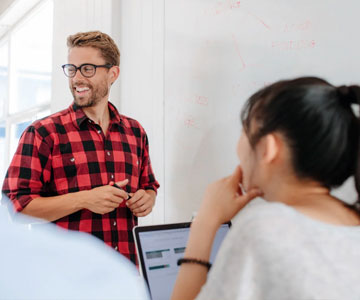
(349, 94)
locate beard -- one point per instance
(94, 96)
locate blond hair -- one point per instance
(98, 40)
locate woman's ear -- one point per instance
(270, 148)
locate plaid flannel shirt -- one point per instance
(67, 152)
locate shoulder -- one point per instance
(125, 121)
(53, 118)
(48, 248)
(130, 122)
(250, 252)
(133, 125)
(51, 123)
(265, 245)
(262, 226)
(259, 214)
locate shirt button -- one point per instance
(114, 223)
(99, 131)
(108, 153)
(116, 247)
(89, 121)
(112, 176)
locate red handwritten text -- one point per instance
(196, 99)
(223, 6)
(294, 45)
(304, 26)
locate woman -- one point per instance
(300, 139)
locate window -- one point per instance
(25, 74)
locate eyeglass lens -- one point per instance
(86, 70)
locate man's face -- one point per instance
(87, 92)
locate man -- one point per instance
(66, 164)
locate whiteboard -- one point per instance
(218, 53)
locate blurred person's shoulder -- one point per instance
(55, 263)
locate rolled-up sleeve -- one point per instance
(28, 170)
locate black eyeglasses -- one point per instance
(86, 70)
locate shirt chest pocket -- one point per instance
(67, 168)
(134, 165)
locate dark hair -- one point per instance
(318, 123)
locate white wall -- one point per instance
(141, 36)
(217, 54)
(137, 27)
(71, 17)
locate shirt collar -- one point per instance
(79, 117)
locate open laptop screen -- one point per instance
(159, 248)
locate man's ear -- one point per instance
(114, 73)
(270, 148)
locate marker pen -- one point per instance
(112, 183)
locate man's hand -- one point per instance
(141, 202)
(104, 199)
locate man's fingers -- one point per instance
(136, 204)
(132, 201)
(122, 183)
(141, 208)
(144, 213)
(119, 193)
(111, 204)
(135, 197)
(117, 200)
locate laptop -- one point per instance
(159, 247)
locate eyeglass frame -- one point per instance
(108, 66)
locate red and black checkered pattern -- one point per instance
(67, 152)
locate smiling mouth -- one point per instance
(81, 90)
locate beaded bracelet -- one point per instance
(194, 261)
